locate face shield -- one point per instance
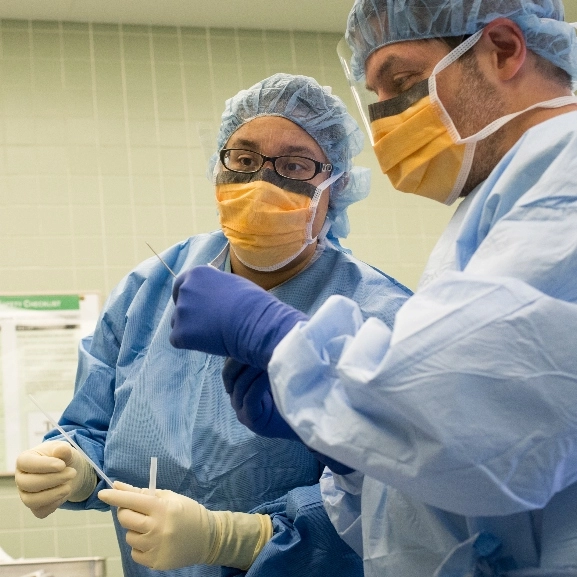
(413, 135)
(363, 97)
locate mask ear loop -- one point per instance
(496, 124)
(315, 202)
(324, 230)
(471, 141)
(469, 154)
(445, 62)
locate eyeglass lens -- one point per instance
(295, 167)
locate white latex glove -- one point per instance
(51, 473)
(168, 531)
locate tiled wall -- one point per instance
(101, 132)
(103, 146)
(62, 534)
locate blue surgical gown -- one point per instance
(463, 418)
(136, 396)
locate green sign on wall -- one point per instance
(42, 302)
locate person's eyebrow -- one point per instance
(286, 150)
(240, 142)
(392, 61)
(299, 150)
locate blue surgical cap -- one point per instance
(323, 116)
(376, 23)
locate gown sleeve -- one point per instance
(342, 498)
(304, 541)
(470, 403)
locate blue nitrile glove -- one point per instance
(333, 465)
(251, 399)
(224, 314)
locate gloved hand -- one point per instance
(51, 473)
(224, 314)
(332, 464)
(251, 399)
(168, 531)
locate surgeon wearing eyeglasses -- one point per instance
(272, 209)
(283, 178)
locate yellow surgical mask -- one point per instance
(413, 145)
(417, 144)
(267, 218)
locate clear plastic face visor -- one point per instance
(362, 96)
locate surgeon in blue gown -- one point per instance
(283, 177)
(461, 422)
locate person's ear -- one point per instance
(504, 42)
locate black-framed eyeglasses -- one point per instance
(293, 167)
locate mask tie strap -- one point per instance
(496, 124)
(452, 57)
(500, 122)
(326, 183)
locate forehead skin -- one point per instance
(276, 136)
(393, 69)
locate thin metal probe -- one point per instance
(98, 470)
(161, 260)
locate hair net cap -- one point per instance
(323, 116)
(376, 23)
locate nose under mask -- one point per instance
(267, 218)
